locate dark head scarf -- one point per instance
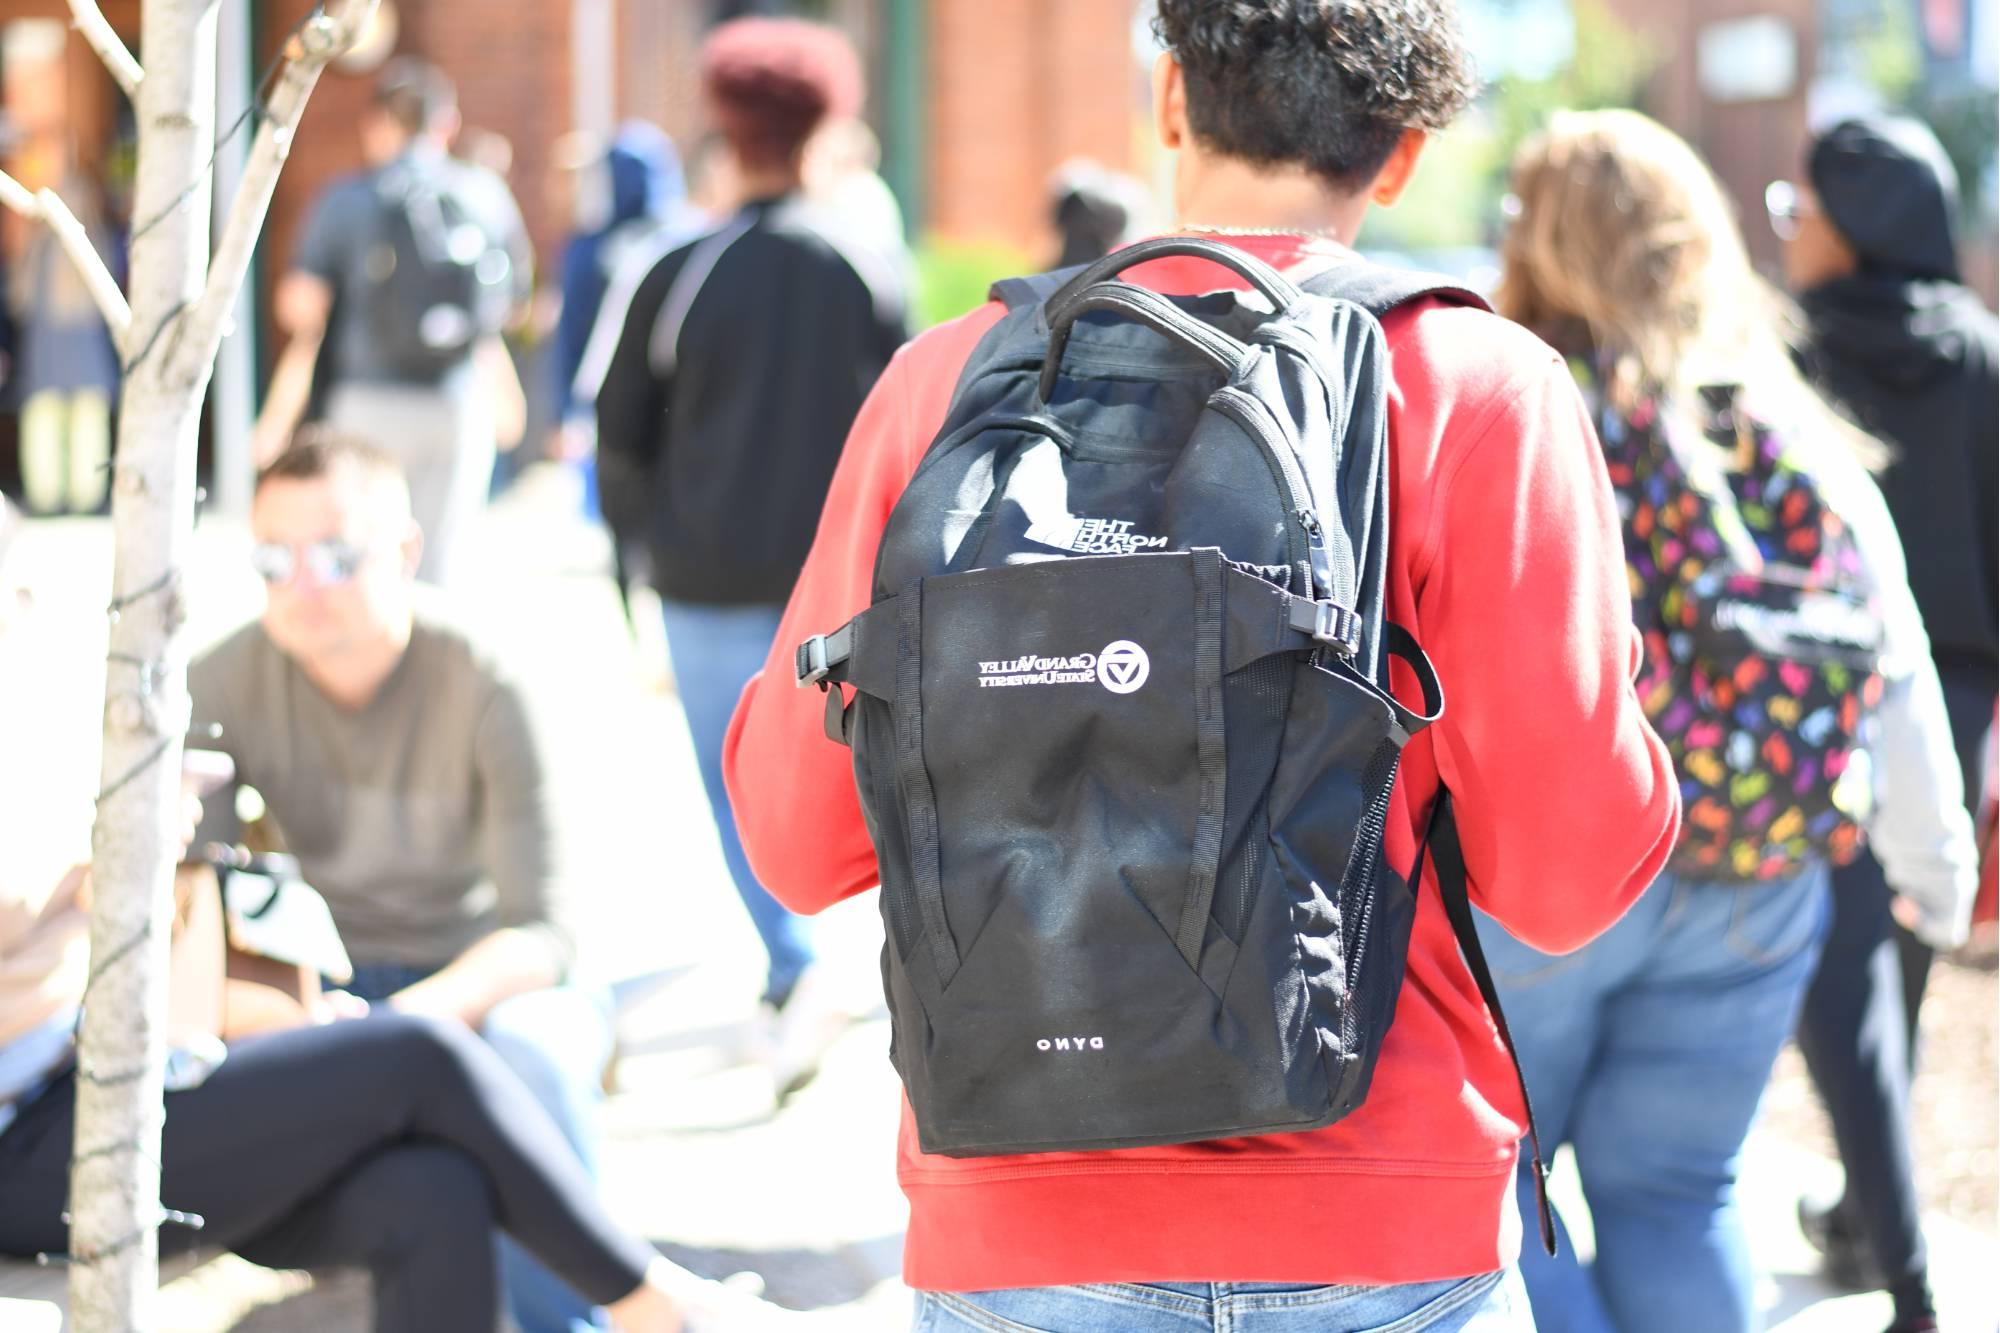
(1889, 189)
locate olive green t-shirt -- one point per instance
(424, 818)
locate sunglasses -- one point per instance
(1785, 208)
(330, 560)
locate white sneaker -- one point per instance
(810, 1021)
(730, 1306)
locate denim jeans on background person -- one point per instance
(557, 1041)
(1647, 1051)
(1490, 1303)
(715, 651)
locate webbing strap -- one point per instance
(1258, 619)
(1441, 842)
(1378, 288)
(663, 346)
(926, 849)
(1211, 756)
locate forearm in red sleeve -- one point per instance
(792, 789)
(1567, 803)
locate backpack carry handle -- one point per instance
(1280, 290)
(1149, 308)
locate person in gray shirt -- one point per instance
(401, 765)
(403, 277)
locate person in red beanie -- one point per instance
(1290, 119)
(744, 357)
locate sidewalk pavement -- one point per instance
(696, 1156)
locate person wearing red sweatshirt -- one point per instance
(1290, 118)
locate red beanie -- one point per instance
(770, 82)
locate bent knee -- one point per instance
(439, 1172)
(425, 1048)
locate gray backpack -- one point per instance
(436, 282)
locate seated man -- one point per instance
(398, 761)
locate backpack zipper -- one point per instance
(1286, 337)
(1354, 957)
(1305, 539)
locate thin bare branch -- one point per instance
(322, 38)
(18, 197)
(76, 244)
(90, 22)
(47, 206)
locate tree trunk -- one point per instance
(180, 309)
(114, 1178)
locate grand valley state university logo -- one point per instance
(1122, 667)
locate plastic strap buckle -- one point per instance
(1337, 627)
(810, 661)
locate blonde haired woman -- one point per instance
(1786, 668)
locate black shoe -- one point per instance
(1844, 1259)
(1923, 1323)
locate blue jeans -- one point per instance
(1646, 1051)
(557, 1042)
(715, 651)
(1491, 1303)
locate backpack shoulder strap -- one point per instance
(1441, 843)
(1378, 289)
(663, 348)
(1032, 288)
(1029, 292)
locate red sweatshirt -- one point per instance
(1506, 563)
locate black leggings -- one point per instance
(1858, 1028)
(394, 1143)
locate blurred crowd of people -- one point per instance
(422, 1054)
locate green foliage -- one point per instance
(1454, 199)
(1967, 123)
(1888, 56)
(952, 276)
(1609, 68)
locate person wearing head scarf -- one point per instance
(1909, 351)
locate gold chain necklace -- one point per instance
(1317, 234)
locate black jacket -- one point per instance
(744, 358)
(1913, 357)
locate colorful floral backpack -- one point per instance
(1763, 649)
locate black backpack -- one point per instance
(1121, 727)
(435, 280)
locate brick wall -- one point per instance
(513, 78)
(1015, 90)
(1747, 144)
(69, 107)
(657, 45)
(327, 145)
(512, 64)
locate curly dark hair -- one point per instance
(1330, 84)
